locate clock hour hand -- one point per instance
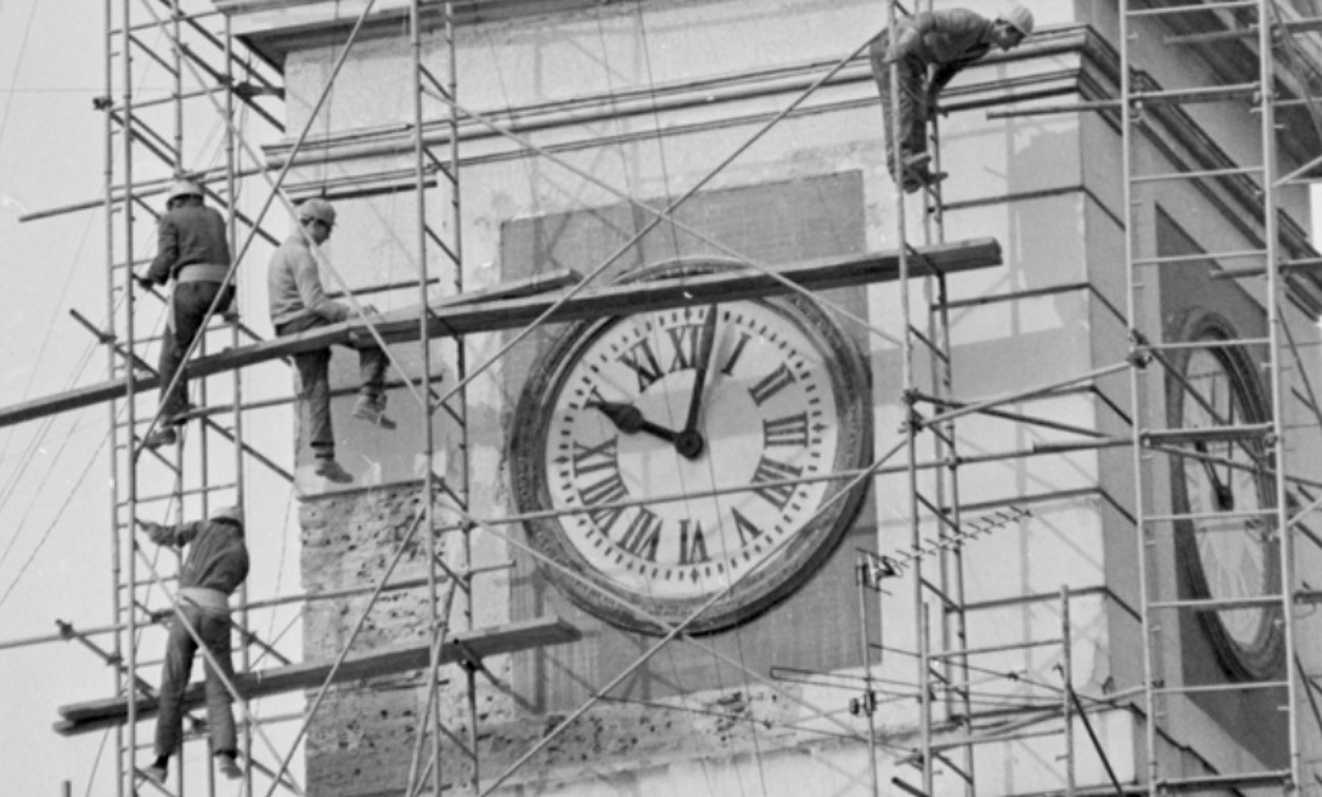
(1225, 500)
(629, 420)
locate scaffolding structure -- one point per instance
(939, 523)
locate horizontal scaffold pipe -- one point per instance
(462, 315)
(471, 645)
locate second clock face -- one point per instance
(689, 450)
(1228, 546)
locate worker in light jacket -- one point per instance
(299, 303)
(193, 250)
(947, 40)
(217, 563)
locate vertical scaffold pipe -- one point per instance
(424, 388)
(131, 448)
(461, 371)
(861, 569)
(240, 488)
(1275, 320)
(1067, 687)
(116, 549)
(177, 87)
(1136, 398)
(906, 401)
(950, 559)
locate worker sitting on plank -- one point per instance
(299, 303)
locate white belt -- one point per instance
(202, 272)
(205, 598)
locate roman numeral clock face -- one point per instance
(689, 452)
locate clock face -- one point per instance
(661, 513)
(1232, 556)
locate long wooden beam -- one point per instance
(79, 718)
(463, 316)
(105, 391)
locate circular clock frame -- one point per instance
(796, 560)
(1264, 656)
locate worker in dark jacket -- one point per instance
(947, 40)
(299, 303)
(217, 563)
(193, 250)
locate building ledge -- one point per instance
(277, 27)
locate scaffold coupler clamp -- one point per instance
(873, 568)
(1140, 352)
(914, 420)
(866, 705)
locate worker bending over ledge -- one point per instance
(947, 40)
(217, 563)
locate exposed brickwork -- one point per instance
(362, 740)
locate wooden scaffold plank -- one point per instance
(467, 314)
(79, 718)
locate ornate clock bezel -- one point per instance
(757, 592)
(1266, 655)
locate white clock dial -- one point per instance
(688, 452)
(767, 417)
(1232, 550)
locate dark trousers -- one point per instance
(189, 302)
(314, 385)
(214, 629)
(912, 105)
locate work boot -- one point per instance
(932, 178)
(227, 766)
(373, 410)
(330, 470)
(155, 773)
(161, 436)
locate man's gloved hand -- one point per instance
(144, 282)
(369, 309)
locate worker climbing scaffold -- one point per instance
(193, 250)
(947, 41)
(216, 565)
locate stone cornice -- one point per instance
(275, 28)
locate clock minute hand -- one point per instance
(629, 420)
(705, 346)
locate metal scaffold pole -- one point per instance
(1139, 360)
(437, 623)
(455, 253)
(112, 362)
(240, 492)
(129, 586)
(1276, 384)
